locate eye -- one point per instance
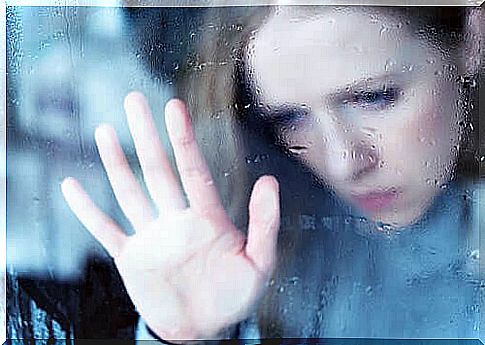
(375, 100)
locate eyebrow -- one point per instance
(369, 83)
(338, 96)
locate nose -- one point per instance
(349, 154)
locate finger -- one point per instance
(264, 221)
(161, 182)
(194, 173)
(128, 192)
(103, 228)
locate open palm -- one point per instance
(188, 270)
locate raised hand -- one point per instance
(188, 270)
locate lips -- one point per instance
(375, 200)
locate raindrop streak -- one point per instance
(298, 150)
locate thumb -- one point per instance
(264, 222)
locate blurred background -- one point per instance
(69, 69)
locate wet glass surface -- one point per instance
(367, 118)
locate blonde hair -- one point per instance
(207, 85)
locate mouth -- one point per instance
(376, 200)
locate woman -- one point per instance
(374, 102)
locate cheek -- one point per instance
(439, 121)
(419, 149)
(439, 137)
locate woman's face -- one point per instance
(364, 102)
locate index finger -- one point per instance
(194, 173)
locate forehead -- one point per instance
(293, 53)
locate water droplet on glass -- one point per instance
(385, 228)
(475, 255)
(390, 63)
(298, 150)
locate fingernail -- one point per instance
(175, 121)
(104, 134)
(136, 105)
(100, 132)
(269, 199)
(134, 98)
(67, 184)
(63, 183)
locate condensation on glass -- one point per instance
(366, 116)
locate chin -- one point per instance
(402, 216)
